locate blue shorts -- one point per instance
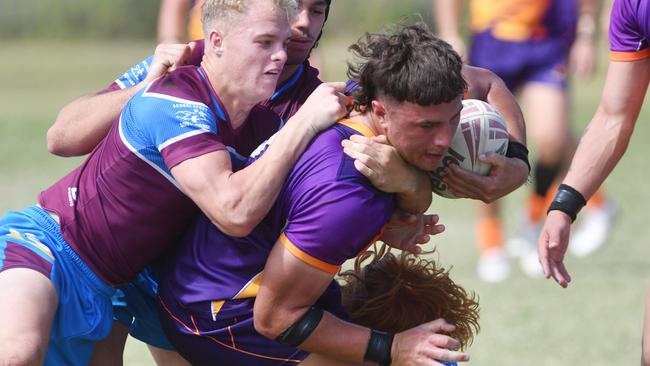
(32, 239)
(135, 306)
(543, 61)
(229, 337)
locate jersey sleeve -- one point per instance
(174, 128)
(627, 42)
(334, 222)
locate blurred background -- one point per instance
(52, 51)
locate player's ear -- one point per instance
(215, 41)
(379, 110)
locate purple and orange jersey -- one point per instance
(326, 213)
(523, 20)
(629, 28)
(286, 100)
(122, 208)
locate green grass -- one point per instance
(597, 321)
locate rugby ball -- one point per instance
(481, 130)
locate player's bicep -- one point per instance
(202, 177)
(625, 88)
(288, 287)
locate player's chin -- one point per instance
(429, 162)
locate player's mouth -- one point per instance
(273, 72)
(301, 42)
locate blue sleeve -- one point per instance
(135, 74)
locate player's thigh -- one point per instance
(164, 357)
(546, 112)
(110, 350)
(27, 306)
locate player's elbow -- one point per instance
(54, 142)
(270, 323)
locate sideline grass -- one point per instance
(597, 321)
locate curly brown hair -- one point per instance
(408, 64)
(395, 293)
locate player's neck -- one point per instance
(367, 120)
(236, 104)
(287, 72)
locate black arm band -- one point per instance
(568, 200)
(519, 151)
(300, 330)
(379, 346)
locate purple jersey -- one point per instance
(629, 28)
(286, 100)
(326, 213)
(122, 208)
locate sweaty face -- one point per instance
(305, 29)
(253, 50)
(421, 134)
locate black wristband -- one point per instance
(379, 346)
(300, 330)
(519, 151)
(568, 200)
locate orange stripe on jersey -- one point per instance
(312, 261)
(175, 318)
(629, 56)
(357, 126)
(374, 240)
(509, 20)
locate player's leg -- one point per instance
(493, 265)
(546, 110)
(319, 360)
(27, 307)
(109, 351)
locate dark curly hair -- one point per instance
(395, 293)
(409, 64)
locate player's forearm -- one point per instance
(254, 189)
(84, 122)
(418, 198)
(600, 149)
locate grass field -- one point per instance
(597, 321)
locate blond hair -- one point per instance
(395, 293)
(225, 11)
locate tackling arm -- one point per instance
(289, 287)
(85, 121)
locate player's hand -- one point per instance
(407, 231)
(381, 163)
(168, 57)
(552, 245)
(326, 105)
(425, 344)
(506, 175)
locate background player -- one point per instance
(179, 21)
(605, 139)
(326, 214)
(536, 44)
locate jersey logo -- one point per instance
(193, 118)
(72, 195)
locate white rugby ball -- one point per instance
(481, 130)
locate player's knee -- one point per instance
(22, 352)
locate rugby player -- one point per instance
(605, 139)
(537, 46)
(166, 155)
(223, 302)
